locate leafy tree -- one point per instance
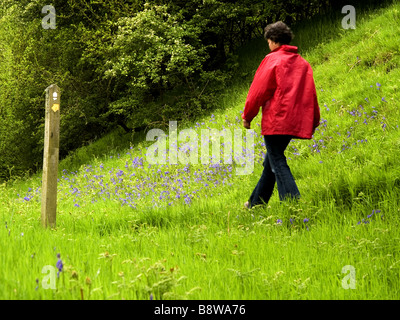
(153, 53)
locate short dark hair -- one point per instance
(278, 32)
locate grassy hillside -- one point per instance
(129, 229)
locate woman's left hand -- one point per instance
(246, 124)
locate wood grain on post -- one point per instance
(50, 156)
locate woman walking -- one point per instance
(284, 88)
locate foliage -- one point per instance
(154, 53)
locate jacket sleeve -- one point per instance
(317, 114)
(261, 90)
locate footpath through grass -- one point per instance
(127, 229)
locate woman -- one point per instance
(284, 87)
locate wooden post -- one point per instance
(50, 156)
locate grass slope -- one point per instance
(130, 230)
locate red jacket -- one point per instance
(284, 87)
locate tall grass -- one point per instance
(127, 230)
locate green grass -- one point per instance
(189, 238)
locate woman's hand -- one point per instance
(246, 124)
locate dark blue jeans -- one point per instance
(276, 170)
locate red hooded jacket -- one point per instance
(284, 87)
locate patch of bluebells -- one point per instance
(292, 220)
(30, 194)
(363, 115)
(368, 219)
(136, 184)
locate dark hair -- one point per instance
(278, 32)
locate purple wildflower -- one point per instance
(369, 216)
(59, 265)
(188, 200)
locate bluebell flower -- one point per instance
(188, 200)
(59, 265)
(369, 216)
